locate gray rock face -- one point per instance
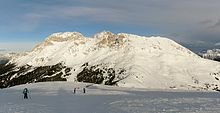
(10, 75)
(100, 75)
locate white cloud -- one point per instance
(182, 20)
(217, 44)
(17, 46)
(170, 16)
(77, 13)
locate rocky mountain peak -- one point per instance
(108, 39)
(61, 37)
(64, 36)
(103, 34)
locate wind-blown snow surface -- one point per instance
(149, 62)
(58, 97)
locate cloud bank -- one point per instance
(191, 22)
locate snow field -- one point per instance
(58, 97)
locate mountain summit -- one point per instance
(122, 59)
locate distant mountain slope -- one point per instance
(124, 60)
(213, 54)
(5, 56)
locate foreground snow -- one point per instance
(58, 97)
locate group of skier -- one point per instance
(26, 91)
(74, 90)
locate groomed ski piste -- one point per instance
(59, 97)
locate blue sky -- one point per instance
(193, 23)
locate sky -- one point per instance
(192, 23)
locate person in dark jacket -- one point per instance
(25, 92)
(84, 90)
(74, 91)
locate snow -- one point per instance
(150, 62)
(58, 97)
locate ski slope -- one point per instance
(58, 97)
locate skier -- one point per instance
(84, 90)
(25, 92)
(74, 91)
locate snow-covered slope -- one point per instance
(125, 60)
(58, 97)
(70, 46)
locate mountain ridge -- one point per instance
(125, 60)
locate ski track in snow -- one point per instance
(58, 97)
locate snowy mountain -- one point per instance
(124, 60)
(213, 54)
